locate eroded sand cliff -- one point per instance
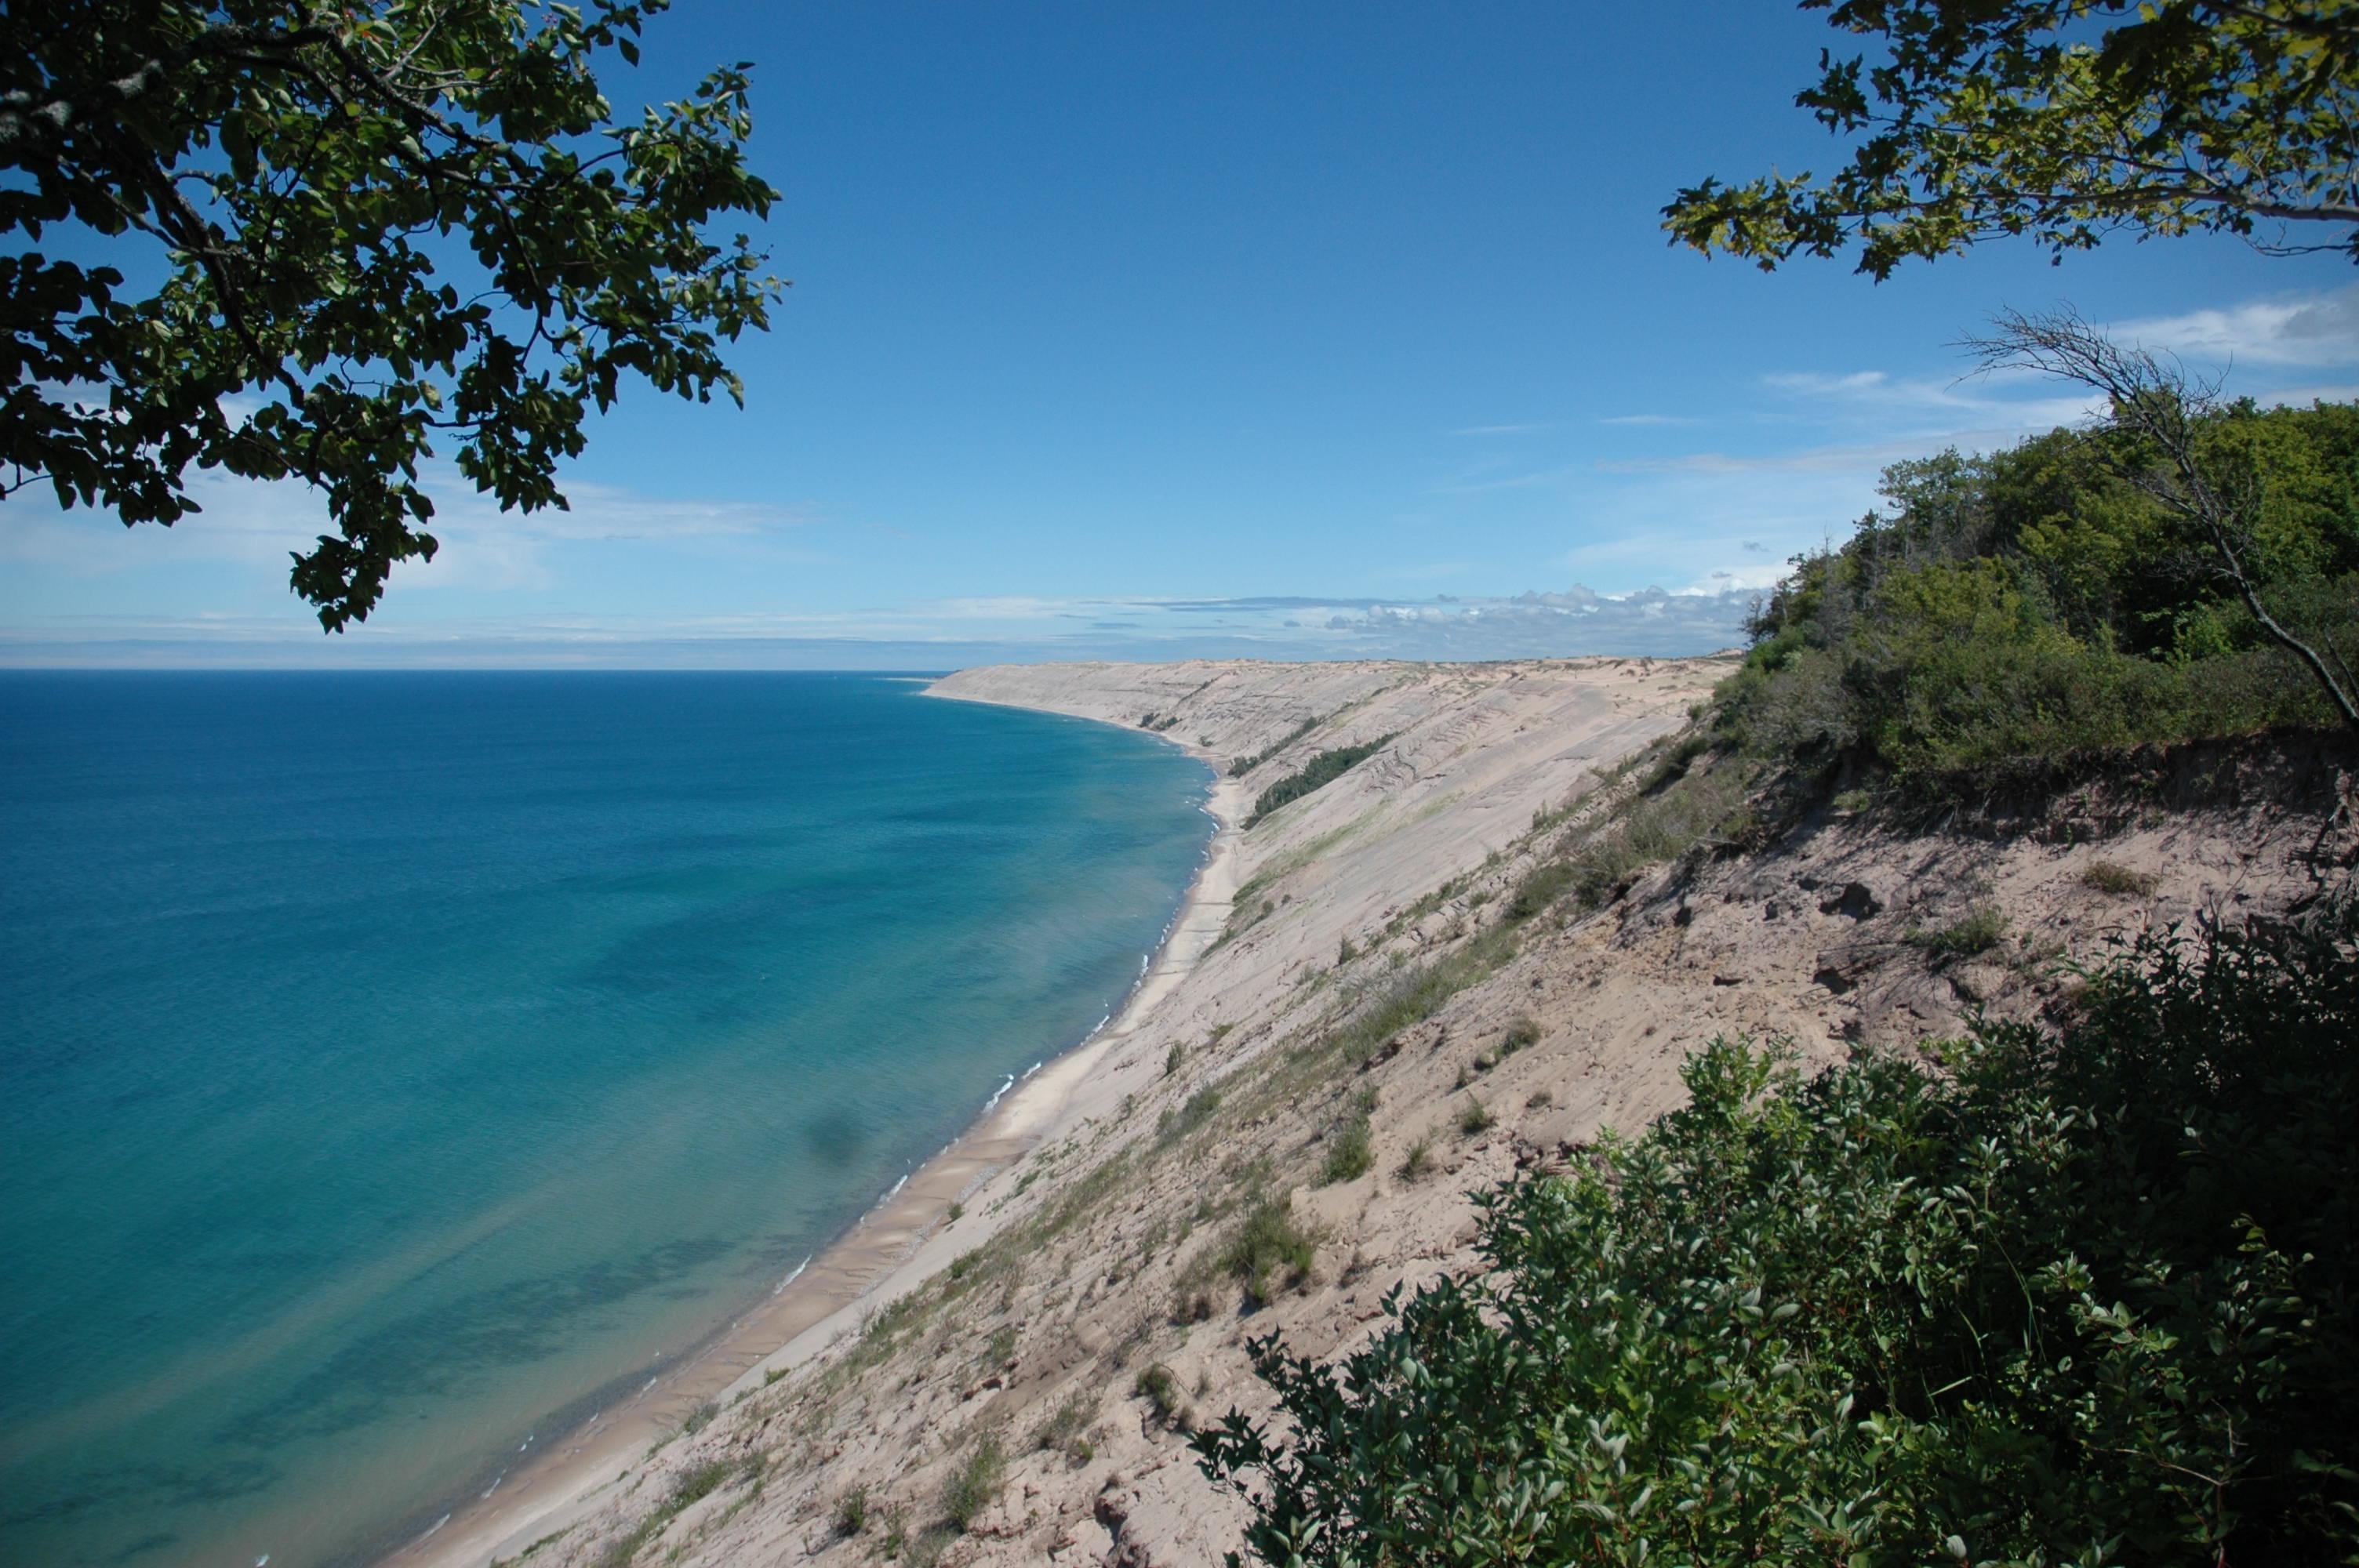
(1092, 1293)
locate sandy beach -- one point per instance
(902, 1240)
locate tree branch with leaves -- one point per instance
(383, 226)
(2066, 121)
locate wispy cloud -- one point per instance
(942, 633)
(2307, 330)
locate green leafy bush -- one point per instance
(2082, 1297)
(1322, 770)
(2017, 612)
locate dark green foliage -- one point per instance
(2083, 1297)
(1322, 770)
(1244, 765)
(388, 227)
(2017, 612)
(2063, 120)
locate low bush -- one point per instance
(1475, 1118)
(2081, 1297)
(1319, 772)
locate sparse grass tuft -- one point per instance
(2119, 880)
(1979, 931)
(1350, 1150)
(1159, 1388)
(1061, 1431)
(1477, 1118)
(975, 1484)
(1419, 1161)
(1271, 1244)
(1174, 1125)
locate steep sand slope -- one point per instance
(1093, 1298)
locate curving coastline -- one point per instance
(896, 1245)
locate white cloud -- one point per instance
(253, 524)
(2305, 330)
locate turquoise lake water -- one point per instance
(390, 1061)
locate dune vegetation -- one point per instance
(2073, 1291)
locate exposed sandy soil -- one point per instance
(1097, 1208)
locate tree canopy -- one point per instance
(2067, 121)
(381, 225)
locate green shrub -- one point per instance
(2015, 615)
(1320, 770)
(852, 1512)
(1544, 885)
(2081, 1297)
(1244, 765)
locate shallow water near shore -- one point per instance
(393, 1060)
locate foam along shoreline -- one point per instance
(898, 1244)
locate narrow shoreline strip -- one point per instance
(898, 1244)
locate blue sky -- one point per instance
(1157, 330)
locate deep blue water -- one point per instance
(388, 1061)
